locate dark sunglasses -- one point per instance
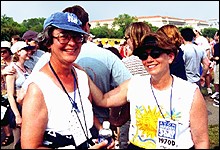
(154, 53)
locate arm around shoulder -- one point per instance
(114, 98)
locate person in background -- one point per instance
(177, 68)
(215, 58)
(91, 37)
(115, 129)
(160, 109)
(99, 43)
(15, 38)
(67, 114)
(193, 57)
(121, 115)
(22, 52)
(6, 59)
(123, 47)
(103, 67)
(30, 37)
(106, 45)
(203, 42)
(116, 44)
(115, 51)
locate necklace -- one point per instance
(24, 71)
(170, 99)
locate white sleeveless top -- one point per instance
(21, 76)
(145, 112)
(60, 118)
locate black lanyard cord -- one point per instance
(171, 93)
(74, 104)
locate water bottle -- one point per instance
(105, 133)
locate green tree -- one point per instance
(9, 27)
(122, 21)
(209, 32)
(35, 24)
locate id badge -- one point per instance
(167, 134)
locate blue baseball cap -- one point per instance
(65, 21)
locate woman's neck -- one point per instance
(61, 70)
(161, 83)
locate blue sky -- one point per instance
(100, 10)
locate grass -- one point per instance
(214, 136)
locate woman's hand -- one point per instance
(103, 144)
(18, 121)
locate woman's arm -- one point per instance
(114, 98)
(34, 114)
(10, 84)
(199, 121)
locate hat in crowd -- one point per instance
(21, 45)
(30, 35)
(196, 29)
(65, 21)
(156, 40)
(5, 44)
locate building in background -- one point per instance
(159, 21)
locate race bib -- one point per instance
(167, 134)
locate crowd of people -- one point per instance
(58, 86)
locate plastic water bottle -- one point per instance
(105, 133)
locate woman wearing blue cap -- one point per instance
(57, 111)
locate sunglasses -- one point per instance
(154, 53)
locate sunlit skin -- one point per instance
(62, 58)
(161, 79)
(159, 67)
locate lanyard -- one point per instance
(74, 104)
(171, 93)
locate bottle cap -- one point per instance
(106, 124)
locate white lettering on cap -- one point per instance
(72, 18)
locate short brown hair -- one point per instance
(159, 40)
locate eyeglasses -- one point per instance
(89, 24)
(64, 38)
(154, 53)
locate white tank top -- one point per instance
(22, 76)
(145, 112)
(60, 118)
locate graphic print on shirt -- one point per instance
(146, 124)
